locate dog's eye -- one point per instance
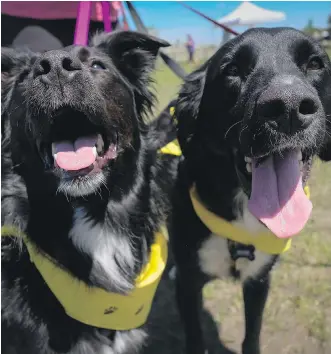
(98, 66)
(232, 70)
(315, 64)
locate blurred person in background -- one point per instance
(190, 48)
(58, 18)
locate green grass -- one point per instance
(298, 312)
(167, 83)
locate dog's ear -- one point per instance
(188, 105)
(134, 55)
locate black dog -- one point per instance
(83, 179)
(250, 121)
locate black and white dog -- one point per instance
(82, 177)
(250, 121)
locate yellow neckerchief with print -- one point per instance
(266, 242)
(94, 306)
(172, 148)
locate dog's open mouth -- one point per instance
(85, 154)
(277, 195)
(78, 146)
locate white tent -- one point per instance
(248, 14)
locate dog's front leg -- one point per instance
(255, 297)
(189, 299)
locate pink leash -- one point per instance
(83, 20)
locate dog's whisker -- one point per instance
(105, 185)
(232, 126)
(242, 130)
(15, 166)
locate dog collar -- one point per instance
(266, 242)
(94, 306)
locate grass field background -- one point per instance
(298, 313)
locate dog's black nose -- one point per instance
(287, 105)
(56, 64)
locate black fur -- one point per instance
(220, 120)
(56, 96)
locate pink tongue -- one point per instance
(73, 156)
(277, 198)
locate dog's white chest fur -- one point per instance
(106, 249)
(214, 256)
(89, 237)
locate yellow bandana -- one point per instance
(172, 148)
(266, 242)
(95, 306)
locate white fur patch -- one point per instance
(173, 273)
(95, 240)
(251, 269)
(214, 255)
(86, 235)
(129, 341)
(215, 260)
(105, 349)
